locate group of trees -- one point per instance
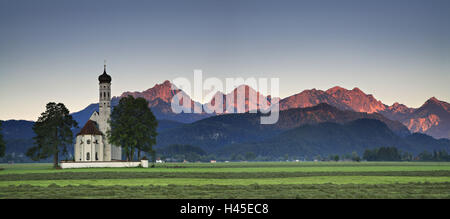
(393, 154)
(133, 127)
(336, 157)
(382, 154)
(387, 154)
(435, 156)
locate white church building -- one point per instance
(92, 148)
(92, 143)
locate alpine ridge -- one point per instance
(432, 118)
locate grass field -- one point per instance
(231, 180)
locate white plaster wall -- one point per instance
(143, 163)
(81, 150)
(77, 152)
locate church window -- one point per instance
(88, 156)
(96, 156)
(108, 94)
(104, 94)
(88, 141)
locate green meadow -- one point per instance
(231, 180)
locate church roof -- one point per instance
(90, 128)
(104, 78)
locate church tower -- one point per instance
(110, 152)
(105, 98)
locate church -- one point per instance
(92, 142)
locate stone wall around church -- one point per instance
(104, 164)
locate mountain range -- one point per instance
(432, 118)
(312, 121)
(214, 132)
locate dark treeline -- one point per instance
(179, 153)
(393, 154)
(435, 156)
(384, 154)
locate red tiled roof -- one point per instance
(90, 128)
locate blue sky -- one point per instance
(397, 50)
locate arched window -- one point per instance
(96, 156)
(108, 94)
(88, 156)
(104, 94)
(88, 141)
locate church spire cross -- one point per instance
(104, 66)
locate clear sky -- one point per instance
(397, 50)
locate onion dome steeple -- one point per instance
(104, 78)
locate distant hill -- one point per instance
(18, 135)
(17, 129)
(214, 132)
(333, 138)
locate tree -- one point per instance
(53, 133)
(133, 127)
(249, 156)
(237, 157)
(406, 156)
(425, 156)
(336, 158)
(2, 143)
(355, 156)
